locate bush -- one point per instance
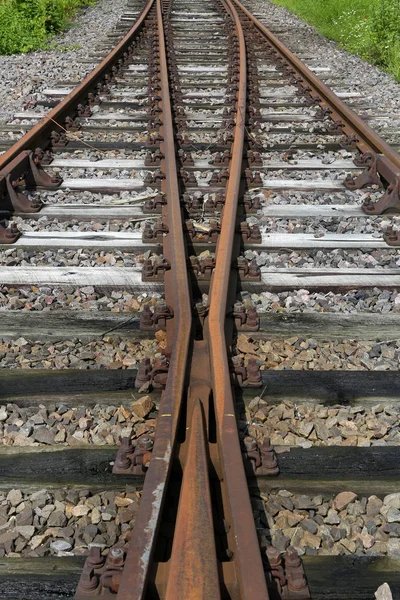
(385, 34)
(27, 25)
(369, 28)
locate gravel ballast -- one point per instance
(68, 522)
(58, 424)
(305, 425)
(64, 522)
(46, 298)
(288, 424)
(298, 353)
(324, 525)
(104, 353)
(111, 352)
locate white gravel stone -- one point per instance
(60, 546)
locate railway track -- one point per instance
(153, 189)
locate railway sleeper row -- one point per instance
(195, 467)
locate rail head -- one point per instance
(177, 292)
(248, 562)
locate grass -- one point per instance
(27, 25)
(369, 28)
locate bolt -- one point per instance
(250, 443)
(145, 443)
(116, 556)
(88, 581)
(292, 558)
(391, 234)
(273, 556)
(238, 307)
(95, 559)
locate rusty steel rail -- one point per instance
(138, 561)
(247, 556)
(196, 468)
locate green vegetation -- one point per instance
(369, 28)
(28, 24)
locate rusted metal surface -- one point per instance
(247, 559)
(378, 167)
(135, 576)
(194, 535)
(133, 459)
(193, 569)
(392, 237)
(286, 575)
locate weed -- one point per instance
(369, 28)
(27, 25)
